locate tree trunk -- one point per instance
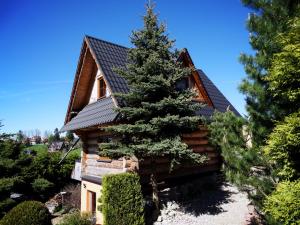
(155, 197)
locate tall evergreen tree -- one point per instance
(270, 18)
(155, 113)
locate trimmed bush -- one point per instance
(76, 219)
(283, 205)
(41, 185)
(27, 213)
(122, 200)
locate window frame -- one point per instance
(101, 89)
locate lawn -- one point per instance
(42, 149)
(39, 149)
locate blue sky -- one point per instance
(40, 43)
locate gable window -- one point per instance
(101, 88)
(182, 84)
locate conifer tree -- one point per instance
(243, 164)
(155, 113)
(284, 74)
(270, 18)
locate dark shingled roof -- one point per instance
(219, 101)
(110, 55)
(93, 114)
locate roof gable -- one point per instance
(188, 62)
(101, 55)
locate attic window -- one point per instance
(182, 84)
(101, 88)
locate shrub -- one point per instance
(41, 185)
(27, 213)
(122, 200)
(283, 205)
(73, 198)
(76, 219)
(5, 205)
(283, 147)
(6, 185)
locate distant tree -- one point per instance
(69, 136)
(3, 136)
(56, 135)
(51, 139)
(37, 132)
(38, 139)
(20, 136)
(47, 133)
(27, 142)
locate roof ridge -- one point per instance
(108, 42)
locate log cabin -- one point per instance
(91, 108)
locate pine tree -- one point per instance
(284, 74)
(155, 113)
(271, 18)
(243, 164)
(283, 143)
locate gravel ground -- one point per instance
(223, 206)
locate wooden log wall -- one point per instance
(198, 141)
(93, 164)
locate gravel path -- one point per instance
(223, 206)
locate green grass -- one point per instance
(39, 149)
(43, 149)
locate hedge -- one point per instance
(122, 200)
(27, 213)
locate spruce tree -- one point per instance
(270, 18)
(154, 113)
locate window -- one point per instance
(91, 201)
(182, 84)
(101, 88)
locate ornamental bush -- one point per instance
(122, 200)
(42, 185)
(27, 213)
(283, 205)
(76, 219)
